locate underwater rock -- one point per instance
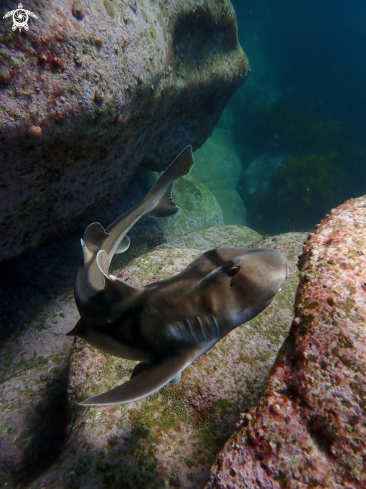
(233, 208)
(110, 86)
(198, 210)
(33, 383)
(218, 163)
(308, 428)
(217, 237)
(218, 167)
(171, 437)
(256, 175)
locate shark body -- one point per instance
(167, 325)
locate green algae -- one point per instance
(109, 9)
(211, 436)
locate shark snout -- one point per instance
(268, 270)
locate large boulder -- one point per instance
(170, 438)
(218, 237)
(94, 90)
(309, 426)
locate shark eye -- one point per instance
(233, 270)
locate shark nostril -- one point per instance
(233, 271)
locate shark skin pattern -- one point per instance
(167, 325)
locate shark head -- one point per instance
(243, 283)
(257, 275)
(254, 279)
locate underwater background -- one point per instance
(298, 122)
(289, 146)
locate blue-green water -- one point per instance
(299, 120)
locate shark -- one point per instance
(166, 325)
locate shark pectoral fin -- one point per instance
(123, 246)
(79, 326)
(176, 379)
(166, 206)
(152, 377)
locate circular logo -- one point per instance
(20, 19)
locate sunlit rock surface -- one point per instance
(170, 439)
(309, 426)
(217, 237)
(95, 89)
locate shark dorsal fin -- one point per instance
(166, 206)
(94, 235)
(114, 288)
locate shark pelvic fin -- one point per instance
(166, 206)
(152, 377)
(114, 288)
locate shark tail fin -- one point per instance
(113, 287)
(182, 165)
(166, 206)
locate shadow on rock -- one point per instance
(44, 438)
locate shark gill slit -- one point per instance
(182, 332)
(190, 329)
(200, 325)
(215, 323)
